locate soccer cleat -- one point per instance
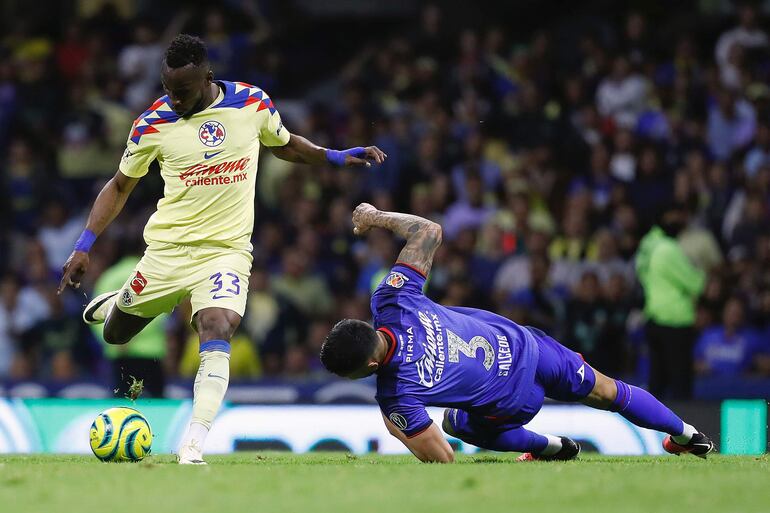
(190, 454)
(699, 445)
(570, 450)
(97, 310)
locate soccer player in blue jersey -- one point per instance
(491, 373)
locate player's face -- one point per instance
(186, 87)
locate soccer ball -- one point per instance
(120, 434)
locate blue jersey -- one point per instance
(447, 356)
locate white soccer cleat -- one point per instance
(97, 310)
(190, 454)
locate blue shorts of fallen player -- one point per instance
(561, 374)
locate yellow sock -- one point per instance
(210, 386)
(208, 392)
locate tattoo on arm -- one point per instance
(423, 237)
(419, 251)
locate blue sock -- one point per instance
(640, 407)
(517, 440)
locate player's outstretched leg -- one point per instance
(481, 433)
(119, 326)
(215, 327)
(643, 409)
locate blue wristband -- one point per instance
(337, 157)
(86, 240)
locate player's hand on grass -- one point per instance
(365, 157)
(74, 269)
(363, 217)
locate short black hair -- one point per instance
(348, 346)
(186, 49)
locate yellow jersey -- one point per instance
(208, 162)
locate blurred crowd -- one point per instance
(547, 156)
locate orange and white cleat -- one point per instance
(699, 445)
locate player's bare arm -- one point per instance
(107, 206)
(302, 151)
(423, 237)
(430, 446)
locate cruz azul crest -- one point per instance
(396, 280)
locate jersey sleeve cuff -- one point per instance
(413, 268)
(131, 174)
(281, 141)
(419, 430)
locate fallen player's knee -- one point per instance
(603, 394)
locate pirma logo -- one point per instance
(396, 280)
(399, 420)
(138, 283)
(212, 133)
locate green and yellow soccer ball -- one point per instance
(120, 434)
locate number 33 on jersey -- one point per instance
(168, 273)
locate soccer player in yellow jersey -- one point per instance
(206, 136)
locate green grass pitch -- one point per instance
(335, 483)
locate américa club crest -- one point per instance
(212, 133)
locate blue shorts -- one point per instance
(561, 374)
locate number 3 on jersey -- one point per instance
(456, 345)
(233, 288)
